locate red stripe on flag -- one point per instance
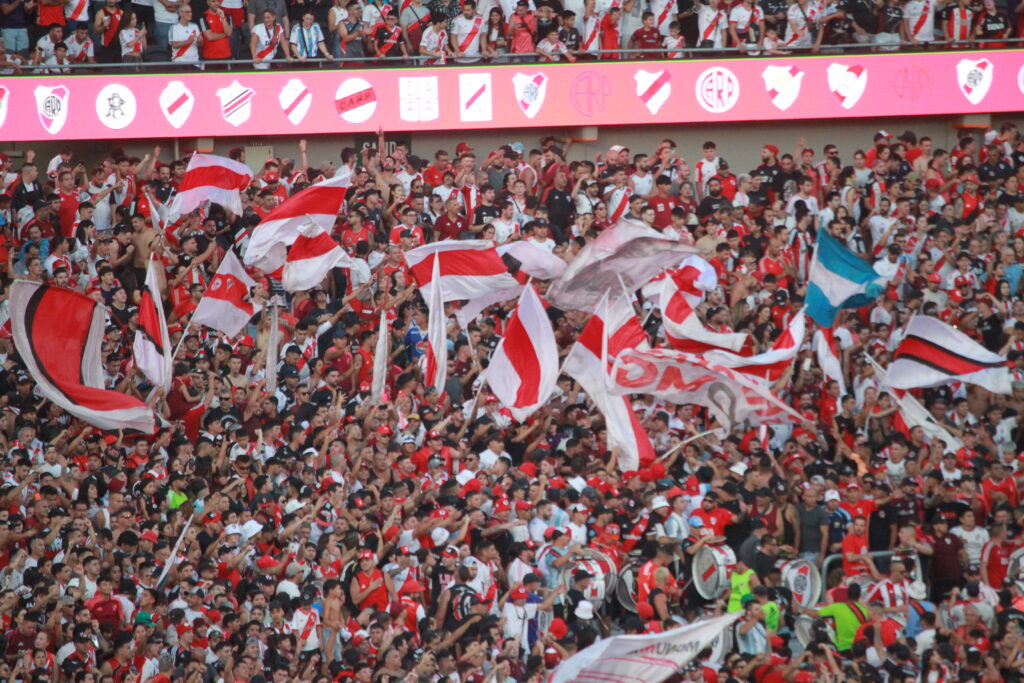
(472, 262)
(927, 353)
(518, 346)
(213, 176)
(654, 87)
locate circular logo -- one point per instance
(355, 100)
(52, 106)
(717, 89)
(115, 106)
(589, 92)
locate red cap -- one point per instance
(270, 176)
(491, 398)
(502, 506)
(433, 434)
(365, 386)
(529, 469)
(267, 562)
(440, 513)
(405, 550)
(557, 628)
(523, 505)
(149, 535)
(246, 341)
(183, 629)
(933, 184)
(413, 586)
(472, 486)
(367, 555)
(518, 593)
(384, 429)
(462, 148)
(773, 149)
(934, 277)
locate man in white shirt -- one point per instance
(539, 236)
(80, 48)
(707, 166)
(184, 38)
(973, 536)
(505, 226)
(45, 46)
(466, 34)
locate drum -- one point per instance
(625, 588)
(1015, 570)
(712, 566)
(804, 627)
(803, 579)
(605, 575)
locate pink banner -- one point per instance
(512, 96)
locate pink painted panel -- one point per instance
(512, 96)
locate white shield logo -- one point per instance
(530, 92)
(847, 83)
(52, 106)
(115, 106)
(783, 85)
(653, 88)
(717, 89)
(295, 99)
(974, 76)
(5, 99)
(235, 103)
(176, 102)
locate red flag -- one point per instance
(152, 346)
(682, 292)
(311, 257)
(212, 178)
(225, 305)
(468, 269)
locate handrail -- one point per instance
(838, 557)
(393, 62)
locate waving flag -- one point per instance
(214, 179)
(682, 292)
(524, 260)
(435, 360)
(320, 203)
(932, 354)
(524, 368)
(65, 359)
(381, 360)
(152, 345)
(584, 364)
(771, 364)
(912, 414)
(628, 252)
(827, 351)
(311, 257)
(731, 396)
(467, 269)
(839, 279)
(225, 305)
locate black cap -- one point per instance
(581, 574)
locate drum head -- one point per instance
(604, 571)
(804, 580)
(710, 574)
(803, 627)
(625, 588)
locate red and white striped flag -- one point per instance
(770, 364)
(214, 179)
(381, 360)
(152, 345)
(682, 292)
(468, 269)
(827, 352)
(524, 368)
(584, 364)
(311, 257)
(435, 360)
(225, 305)
(320, 203)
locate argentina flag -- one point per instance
(839, 279)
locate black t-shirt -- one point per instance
(484, 214)
(863, 12)
(993, 25)
(992, 172)
(880, 526)
(891, 18)
(709, 205)
(560, 208)
(991, 329)
(460, 605)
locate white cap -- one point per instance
(917, 590)
(831, 494)
(659, 502)
(584, 610)
(739, 468)
(293, 505)
(251, 528)
(578, 508)
(233, 529)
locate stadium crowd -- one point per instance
(311, 534)
(56, 36)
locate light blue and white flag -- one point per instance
(839, 279)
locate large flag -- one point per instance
(524, 261)
(225, 305)
(584, 363)
(912, 414)
(469, 269)
(152, 345)
(435, 359)
(827, 351)
(311, 257)
(211, 178)
(650, 658)
(771, 364)
(524, 368)
(64, 359)
(731, 396)
(839, 279)
(320, 203)
(273, 342)
(628, 252)
(681, 294)
(381, 360)
(932, 354)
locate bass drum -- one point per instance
(712, 566)
(605, 573)
(803, 580)
(625, 588)
(804, 627)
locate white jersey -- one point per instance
(743, 18)
(799, 17)
(79, 52)
(920, 18)
(674, 46)
(711, 26)
(466, 36)
(974, 540)
(188, 52)
(705, 171)
(664, 14)
(434, 41)
(504, 231)
(267, 42)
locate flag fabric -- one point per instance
(320, 203)
(912, 414)
(225, 305)
(682, 292)
(524, 368)
(932, 354)
(152, 345)
(827, 351)
(650, 658)
(730, 396)
(435, 359)
(839, 279)
(468, 269)
(584, 363)
(771, 364)
(273, 343)
(65, 360)
(524, 261)
(211, 178)
(381, 360)
(628, 252)
(311, 257)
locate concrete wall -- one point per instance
(740, 144)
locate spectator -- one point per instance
(266, 39)
(184, 38)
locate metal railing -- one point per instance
(520, 58)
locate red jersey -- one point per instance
(714, 521)
(859, 546)
(663, 209)
(996, 557)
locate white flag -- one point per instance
(381, 360)
(152, 346)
